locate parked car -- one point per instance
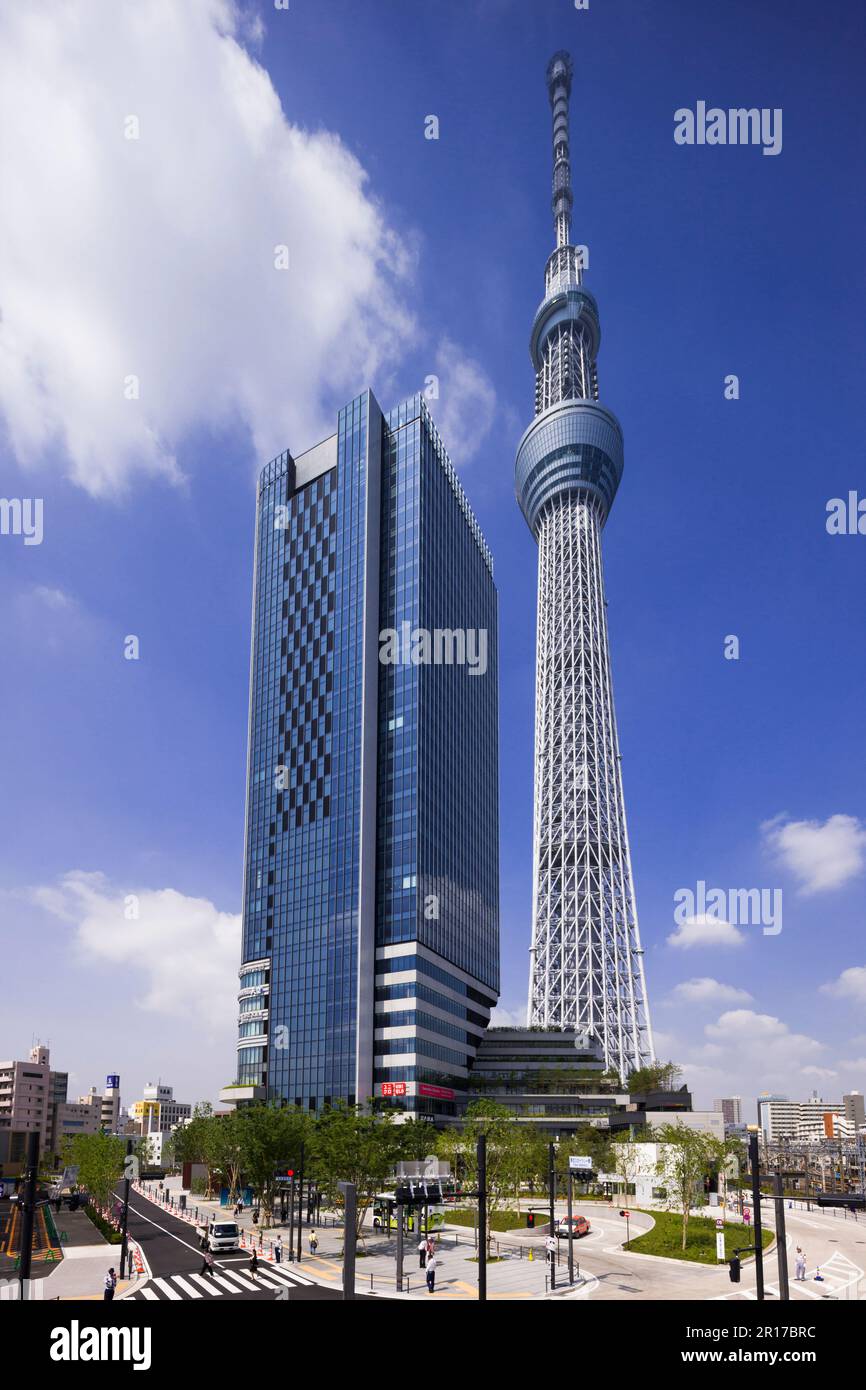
(579, 1224)
(224, 1235)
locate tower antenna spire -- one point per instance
(586, 959)
(559, 74)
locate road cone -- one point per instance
(530, 1252)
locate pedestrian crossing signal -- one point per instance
(734, 1269)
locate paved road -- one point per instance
(172, 1252)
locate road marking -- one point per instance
(224, 1283)
(168, 1290)
(207, 1282)
(148, 1293)
(286, 1276)
(242, 1280)
(187, 1288)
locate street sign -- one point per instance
(720, 1245)
(580, 1162)
(720, 1225)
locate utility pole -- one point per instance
(300, 1199)
(28, 1214)
(291, 1176)
(124, 1217)
(756, 1210)
(551, 1151)
(570, 1227)
(350, 1217)
(399, 1246)
(481, 1162)
(781, 1247)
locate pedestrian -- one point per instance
(256, 1216)
(254, 1264)
(422, 1252)
(800, 1265)
(432, 1264)
(431, 1248)
(314, 1242)
(278, 1250)
(207, 1263)
(110, 1285)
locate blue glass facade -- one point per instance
(372, 788)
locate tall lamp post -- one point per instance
(756, 1210)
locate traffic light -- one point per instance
(734, 1269)
(622, 1213)
(530, 1220)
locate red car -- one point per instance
(579, 1225)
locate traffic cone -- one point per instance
(530, 1253)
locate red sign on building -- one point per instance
(438, 1092)
(393, 1088)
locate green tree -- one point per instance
(100, 1159)
(197, 1142)
(511, 1156)
(587, 1140)
(264, 1139)
(660, 1076)
(686, 1157)
(351, 1146)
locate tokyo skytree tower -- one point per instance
(586, 962)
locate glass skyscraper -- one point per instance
(371, 915)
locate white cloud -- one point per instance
(745, 1052)
(851, 984)
(703, 929)
(821, 856)
(154, 257)
(508, 1018)
(56, 599)
(820, 1073)
(703, 989)
(465, 408)
(178, 958)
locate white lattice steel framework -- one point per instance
(586, 960)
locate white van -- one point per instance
(223, 1235)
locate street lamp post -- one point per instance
(399, 1246)
(781, 1247)
(756, 1211)
(350, 1217)
(300, 1199)
(481, 1163)
(291, 1177)
(551, 1151)
(570, 1227)
(29, 1212)
(124, 1219)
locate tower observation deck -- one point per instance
(586, 962)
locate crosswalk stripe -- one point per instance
(206, 1282)
(288, 1276)
(224, 1283)
(272, 1283)
(187, 1288)
(242, 1280)
(148, 1293)
(167, 1289)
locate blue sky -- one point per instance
(153, 257)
